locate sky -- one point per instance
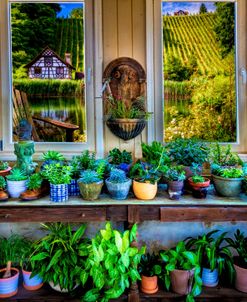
(67, 7)
(191, 7)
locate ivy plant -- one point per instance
(111, 265)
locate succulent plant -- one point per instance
(89, 176)
(35, 181)
(16, 174)
(3, 165)
(51, 157)
(2, 183)
(117, 176)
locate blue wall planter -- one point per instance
(59, 193)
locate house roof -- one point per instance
(54, 54)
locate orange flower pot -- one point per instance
(144, 190)
(149, 285)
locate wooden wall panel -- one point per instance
(124, 36)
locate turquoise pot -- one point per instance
(210, 278)
(9, 286)
(228, 187)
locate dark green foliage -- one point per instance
(203, 9)
(198, 179)
(111, 265)
(181, 258)
(60, 255)
(224, 27)
(144, 172)
(239, 243)
(187, 151)
(52, 157)
(175, 173)
(3, 165)
(16, 175)
(223, 156)
(154, 153)
(117, 157)
(149, 265)
(212, 252)
(2, 183)
(227, 172)
(117, 176)
(86, 160)
(56, 173)
(35, 181)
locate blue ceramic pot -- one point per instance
(118, 191)
(210, 278)
(73, 188)
(9, 286)
(59, 193)
(31, 283)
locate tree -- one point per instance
(76, 13)
(203, 9)
(224, 27)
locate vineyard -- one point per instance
(69, 38)
(186, 36)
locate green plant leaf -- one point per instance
(83, 277)
(118, 242)
(191, 257)
(54, 259)
(39, 256)
(134, 275)
(133, 233)
(125, 259)
(79, 233)
(126, 241)
(91, 295)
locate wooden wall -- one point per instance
(124, 35)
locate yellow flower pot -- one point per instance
(144, 190)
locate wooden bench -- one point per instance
(21, 110)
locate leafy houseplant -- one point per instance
(3, 194)
(11, 252)
(214, 256)
(16, 182)
(227, 181)
(149, 269)
(59, 257)
(34, 185)
(126, 119)
(111, 264)
(52, 157)
(152, 153)
(223, 156)
(90, 184)
(4, 168)
(59, 177)
(145, 177)
(120, 159)
(175, 177)
(239, 243)
(198, 183)
(118, 184)
(182, 271)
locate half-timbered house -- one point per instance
(49, 65)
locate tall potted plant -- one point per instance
(239, 243)
(149, 269)
(118, 184)
(182, 271)
(3, 195)
(214, 256)
(58, 257)
(59, 177)
(175, 177)
(16, 182)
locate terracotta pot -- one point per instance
(181, 281)
(199, 190)
(3, 195)
(9, 286)
(241, 278)
(144, 190)
(149, 285)
(5, 172)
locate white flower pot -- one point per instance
(15, 188)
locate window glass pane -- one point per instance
(47, 42)
(199, 70)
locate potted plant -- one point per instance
(111, 264)
(175, 177)
(126, 119)
(90, 184)
(214, 256)
(118, 184)
(227, 181)
(149, 269)
(34, 188)
(153, 152)
(239, 243)
(198, 183)
(182, 271)
(10, 253)
(16, 182)
(52, 157)
(3, 195)
(73, 186)
(57, 258)
(187, 152)
(145, 178)
(30, 282)
(4, 168)
(120, 159)
(59, 177)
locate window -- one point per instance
(44, 59)
(197, 69)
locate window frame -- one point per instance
(155, 89)
(93, 74)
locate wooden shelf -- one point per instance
(46, 294)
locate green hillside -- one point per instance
(185, 36)
(69, 38)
